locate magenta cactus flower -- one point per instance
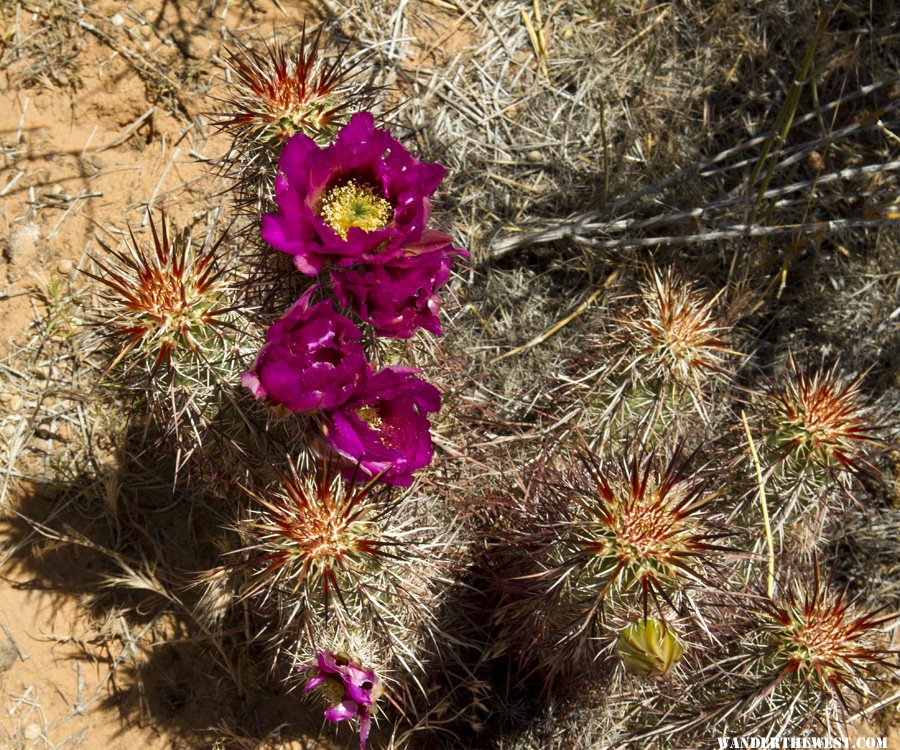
(362, 199)
(398, 297)
(350, 689)
(383, 428)
(312, 359)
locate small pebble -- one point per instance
(117, 20)
(15, 403)
(534, 156)
(65, 266)
(568, 33)
(42, 445)
(146, 31)
(23, 242)
(8, 655)
(33, 732)
(201, 47)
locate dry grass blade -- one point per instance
(541, 338)
(767, 526)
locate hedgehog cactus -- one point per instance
(279, 93)
(818, 436)
(276, 93)
(167, 318)
(641, 530)
(324, 557)
(587, 571)
(675, 334)
(819, 426)
(819, 650)
(668, 351)
(625, 533)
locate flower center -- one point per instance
(370, 416)
(333, 689)
(354, 205)
(389, 433)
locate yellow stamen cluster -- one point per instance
(354, 205)
(370, 416)
(390, 436)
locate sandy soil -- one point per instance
(88, 161)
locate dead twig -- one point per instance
(128, 132)
(22, 655)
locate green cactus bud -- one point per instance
(648, 647)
